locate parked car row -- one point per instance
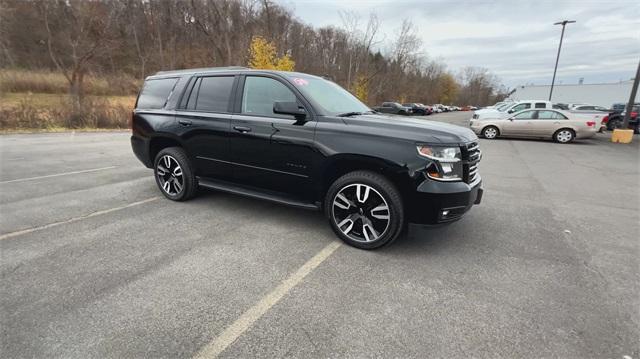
(415, 108)
(539, 119)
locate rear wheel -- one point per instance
(564, 135)
(490, 132)
(614, 122)
(174, 174)
(364, 209)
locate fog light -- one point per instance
(445, 213)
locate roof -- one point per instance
(207, 70)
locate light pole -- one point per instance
(563, 23)
(632, 99)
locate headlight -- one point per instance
(440, 153)
(446, 166)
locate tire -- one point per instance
(490, 132)
(613, 123)
(564, 135)
(402, 113)
(364, 209)
(174, 175)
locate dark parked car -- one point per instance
(301, 140)
(393, 108)
(418, 109)
(616, 117)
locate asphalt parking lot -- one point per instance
(95, 263)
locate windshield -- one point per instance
(331, 98)
(503, 107)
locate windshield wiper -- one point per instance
(356, 113)
(349, 114)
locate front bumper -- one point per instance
(437, 202)
(475, 126)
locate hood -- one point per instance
(485, 110)
(482, 115)
(407, 128)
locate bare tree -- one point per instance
(76, 33)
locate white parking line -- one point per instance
(251, 315)
(59, 174)
(98, 213)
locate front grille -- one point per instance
(471, 156)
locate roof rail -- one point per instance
(203, 69)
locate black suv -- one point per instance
(304, 141)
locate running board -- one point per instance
(229, 187)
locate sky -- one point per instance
(515, 40)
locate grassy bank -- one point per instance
(37, 100)
(48, 112)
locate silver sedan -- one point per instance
(560, 126)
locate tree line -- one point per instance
(140, 37)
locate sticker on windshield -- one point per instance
(300, 82)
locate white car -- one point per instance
(497, 104)
(508, 108)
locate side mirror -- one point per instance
(289, 108)
(511, 118)
(511, 111)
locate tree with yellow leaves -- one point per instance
(361, 88)
(448, 88)
(262, 55)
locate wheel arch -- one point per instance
(161, 141)
(340, 164)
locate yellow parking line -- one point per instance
(58, 174)
(251, 315)
(98, 213)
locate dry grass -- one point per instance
(36, 81)
(26, 111)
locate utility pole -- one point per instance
(632, 99)
(563, 23)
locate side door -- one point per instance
(386, 108)
(519, 124)
(204, 117)
(271, 151)
(548, 122)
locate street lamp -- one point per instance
(563, 23)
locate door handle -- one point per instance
(242, 129)
(185, 122)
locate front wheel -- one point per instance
(365, 209)
(564, 135)
(174, 174)
(490, 132)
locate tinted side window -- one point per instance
(214, 93)
(155, 93)
(541, 105)
(260, 93)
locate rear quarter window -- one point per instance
(155, 93)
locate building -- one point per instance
(596, 94)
